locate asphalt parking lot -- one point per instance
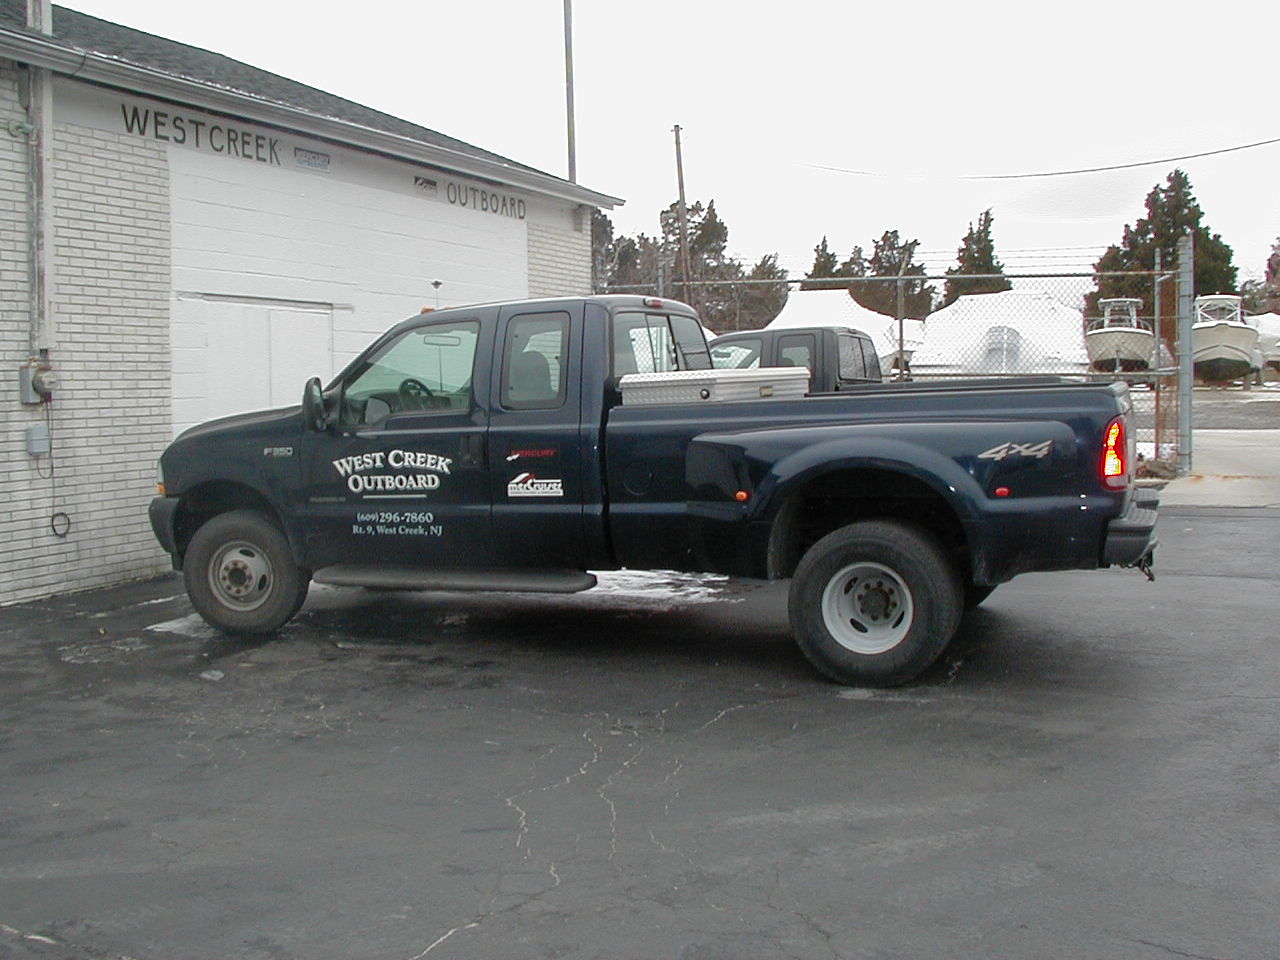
(651, 770)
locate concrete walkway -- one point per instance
(1229, 468)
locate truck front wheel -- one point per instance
(875, 602)
(240, 574)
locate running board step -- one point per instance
(414, 578)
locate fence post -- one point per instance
(1186, 312)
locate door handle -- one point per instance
(473, 450)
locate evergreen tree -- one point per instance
(1172, 212)
(977, 255)
(889, 258)
(652, 265)
(824, 266)
(1264, 296)
(759, 303)
(855, 266)
(603, 250)
(708, 237)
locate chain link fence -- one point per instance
(1082, 326)
(1045, 326)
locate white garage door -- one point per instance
(233, 355)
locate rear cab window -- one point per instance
(858, 360)
(533, 362)
(646, 342)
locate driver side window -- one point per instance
(425, 369)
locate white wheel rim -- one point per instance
(241, 576)
(867, 608)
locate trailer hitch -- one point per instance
(1145, 562)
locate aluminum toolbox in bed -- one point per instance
(697, 386)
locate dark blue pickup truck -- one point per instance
(490, 448)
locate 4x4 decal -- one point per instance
(1037, 450)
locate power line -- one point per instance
(1064, 173)
(1124, 166)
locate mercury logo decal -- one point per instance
(543, 453)
(1037, 451)
(527, 485)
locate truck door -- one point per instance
(536, 476)
(402, 476)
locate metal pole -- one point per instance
(902, 363)
(568, 89)
(1186, 309)
(1157, 383)
(39, 104)
(683, 216)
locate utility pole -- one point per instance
(684, 219)
(568, 89)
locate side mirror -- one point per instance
(313, 415)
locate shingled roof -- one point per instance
(80, 31)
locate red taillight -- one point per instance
(1115, 456)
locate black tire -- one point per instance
(875, 603)
(240, 574)
(974, 595)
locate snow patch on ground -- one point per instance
(113, 651)
(860, 693)
(661, 588)
(189, 626)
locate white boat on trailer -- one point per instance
(1268, 327)
(1223, 346)
(1120, 341)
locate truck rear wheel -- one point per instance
(875, 602)
(240, 574)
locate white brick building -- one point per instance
(217, 234)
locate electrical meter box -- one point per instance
(36, 381)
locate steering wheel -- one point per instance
(415, 393)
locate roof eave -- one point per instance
(86, 65)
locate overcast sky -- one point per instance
(918, 94)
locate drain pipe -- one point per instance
(38, 99)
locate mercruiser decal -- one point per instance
(527, 485)
(1036, 450)
(416, 473)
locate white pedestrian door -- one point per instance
(235, 355)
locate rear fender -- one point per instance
(770, 465)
